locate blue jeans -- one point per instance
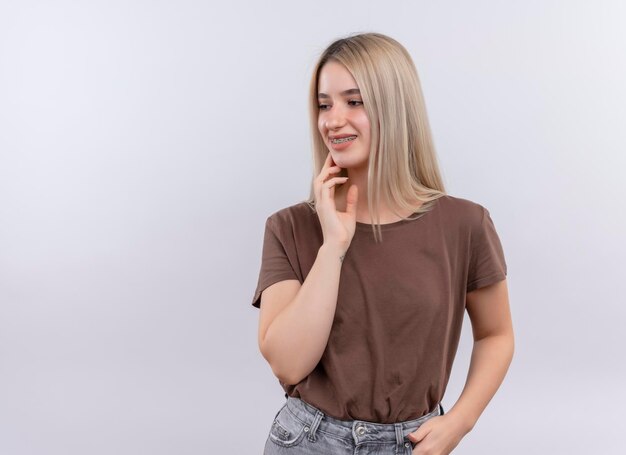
(301, 428)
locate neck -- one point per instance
(362, 211)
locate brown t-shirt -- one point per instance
(400, 305)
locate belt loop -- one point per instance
(399, 437)
(319, 415)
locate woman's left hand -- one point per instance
(438, 435)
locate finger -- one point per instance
(327, 161)
(332, 170)
(328, 187)
(419, 434)
(324, 176)
(321, 176)
(325, 169)
(337, 180)
(323, 193)
(351, 200)
(330, 183)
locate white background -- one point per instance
(143, 144)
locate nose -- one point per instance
(335, 119)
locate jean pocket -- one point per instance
(287, 430)
(415, 428)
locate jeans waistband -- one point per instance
(356, 430)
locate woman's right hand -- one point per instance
(337, 227)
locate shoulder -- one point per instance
(300, 213)
(464, 211)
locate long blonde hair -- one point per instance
(403, 167)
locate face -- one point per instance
(341, 113)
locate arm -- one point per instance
(297, 337)
(492, 328)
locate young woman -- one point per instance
(363, 287)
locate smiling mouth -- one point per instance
(343, 139)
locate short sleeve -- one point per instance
(487, 263)
(275, 263)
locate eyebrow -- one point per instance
(350, 91)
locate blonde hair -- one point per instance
(403, 167)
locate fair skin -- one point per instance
(487, 307)
(344, 114)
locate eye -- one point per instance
(323, 107)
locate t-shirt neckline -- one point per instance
(384, 227)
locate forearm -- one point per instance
(296, 339)
(491, 357)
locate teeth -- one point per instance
(343, 139)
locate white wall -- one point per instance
(143, 144)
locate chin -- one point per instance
(347, 159)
